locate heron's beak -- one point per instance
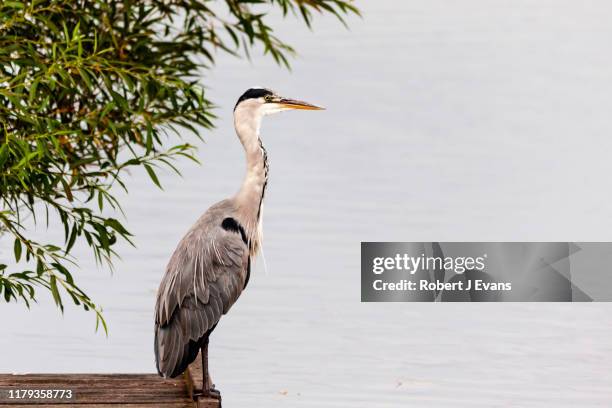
(295, 104)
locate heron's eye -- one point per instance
(268, 98)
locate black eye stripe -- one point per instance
(254, 93)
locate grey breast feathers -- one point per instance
(203, 279)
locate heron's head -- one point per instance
(258, 102)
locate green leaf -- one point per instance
(152, 174)
(33, 88)
(116, 225)
(13, 4)
(17, 249)
(149, 141)
(4, 153)
(72, 239)
(55, 292)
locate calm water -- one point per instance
(473, 120)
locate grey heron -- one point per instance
(211, 265)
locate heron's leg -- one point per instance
(204, 350)
(207, 385)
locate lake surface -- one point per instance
(446, 121)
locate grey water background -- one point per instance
(447, 121)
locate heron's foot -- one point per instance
(213, 393)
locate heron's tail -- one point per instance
(172, 354)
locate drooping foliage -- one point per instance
(91, 88)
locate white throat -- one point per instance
(249, 199)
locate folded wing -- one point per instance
(203, 279)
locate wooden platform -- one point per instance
(110, 390)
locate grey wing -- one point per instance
(204, 277)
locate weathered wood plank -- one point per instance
(103, 388)
(110, 390)
(91, 380)
(103, 405)
(207, 403)
(108, 398)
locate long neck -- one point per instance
(249, 198)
